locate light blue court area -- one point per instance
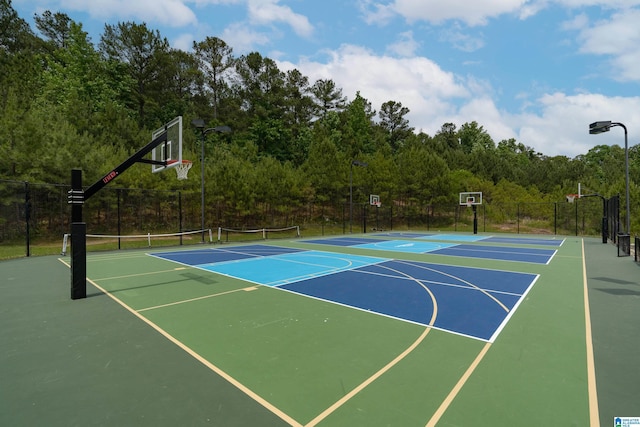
(417, 247)
(277, 270)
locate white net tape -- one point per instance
(183, 169)
(263, 233)
(66, 238)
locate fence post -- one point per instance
(118, 192)
(27, 215)
(576, 208)
(364, 218)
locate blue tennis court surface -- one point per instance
(503, 253)
(468, 301)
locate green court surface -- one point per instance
(159, 343)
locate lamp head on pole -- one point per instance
(201, 125)
(198, 123)
(599, 127)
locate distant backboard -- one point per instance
(171, 151)
(471, 198)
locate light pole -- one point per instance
(199, 124)
(601, 127)
(353, 163)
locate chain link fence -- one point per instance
(35, 214)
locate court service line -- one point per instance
(594, 415)
(251, 288)
(204, 361)
(142, 274)
(456, 389)
(387, 367)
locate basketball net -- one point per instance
(572, 197)
(183, 169)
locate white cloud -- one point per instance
(460, 40)
(406, 45)
(242, 38)
(437, 11)
(266, 12)
(383, 78)
(173, 13)
(183, 42)
(618, 38)
(562, 127)
(261, 26)
(418, 83)
(375, 13)
(609, 4)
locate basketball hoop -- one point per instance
(182, 169)
(572, 197)
(377, 204)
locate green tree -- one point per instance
(56, 27)
(20, 71)
(326, 169)
(78, 81)
(327, 97)
(260, 84)
(423, 175)
(393, 120)
(15, 34)
(144, 57)
(215, 62)
(357, 122)
(473, 137)
(299, 106)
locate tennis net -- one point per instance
(130, 241)
(239, 235)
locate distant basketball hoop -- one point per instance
(182, 168)
(472, 199)
(572, 197)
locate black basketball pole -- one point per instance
(76, 198)
(475, 219)
(78, 238)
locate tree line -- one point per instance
(67, 102)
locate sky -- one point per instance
(539, 71)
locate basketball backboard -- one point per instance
(170, 151)
(471, 198)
